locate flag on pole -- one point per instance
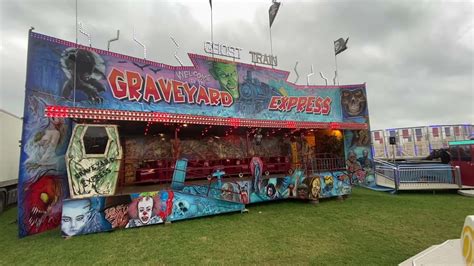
(340, 45)
(210, 3)
(272, 12)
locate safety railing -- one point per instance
(327, 164)
(419, 176)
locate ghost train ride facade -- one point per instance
(111, 141)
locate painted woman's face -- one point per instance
(75, 216)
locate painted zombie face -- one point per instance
(352, 157)
(75, 216)
(365, 153)
(145, 207)
(227, 76)
(315, 187)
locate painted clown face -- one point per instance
(75, 215)
(145, 207)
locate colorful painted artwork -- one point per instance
(93, 160)
(99, 214)
(42, 182)
(60, 73)
(359, 162)
(209, 87)
(324, 185)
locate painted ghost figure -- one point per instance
(75, 216)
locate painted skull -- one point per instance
(145, 207)
(353, 102)
(181, 208)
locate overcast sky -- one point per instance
(415, 56)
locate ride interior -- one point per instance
(150, 152)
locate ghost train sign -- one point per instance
(258, 58)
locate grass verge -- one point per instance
(369, 228)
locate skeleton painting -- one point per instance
(353, 102)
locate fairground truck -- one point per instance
(10, 134)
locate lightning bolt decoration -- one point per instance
(113, 40)
(309, 75)
(296, 72)
(176, 51)
(82, 31)
(323, 77)
(139, 43)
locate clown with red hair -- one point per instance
(144, 210)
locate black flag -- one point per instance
(340, 45)
(210, 3)
(272, 12)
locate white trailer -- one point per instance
(10, 134)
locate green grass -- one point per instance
(369, 228)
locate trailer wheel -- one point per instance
(290, 171)
(241, 175)
(209, 177)
(267, 173)
(3, 200)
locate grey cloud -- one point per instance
(408, 52)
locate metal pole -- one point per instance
(396, 178)
(336, 76)
(212, 35)
(393, 153)
(271, 43)
(75, 66)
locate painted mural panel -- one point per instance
(42, 181)
(217, 88)
(324, 185)
(187, 206)
(93, 160)
(106, 80)
(359, 158)
(99, 214)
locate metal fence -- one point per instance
(327, 164)
(418, 176)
